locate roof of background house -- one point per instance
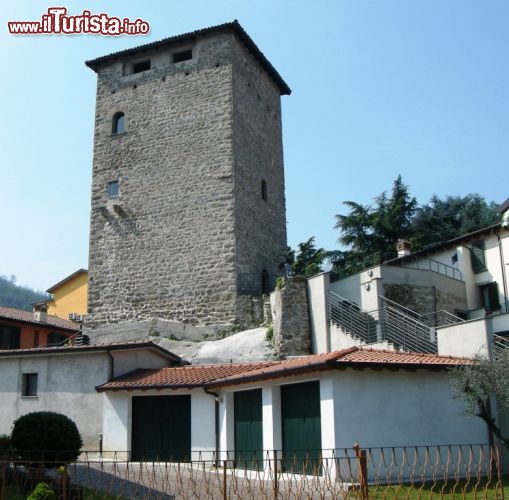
(453, 242)
(27, 317)
(233, 27)
(65, 280)
(113, 346)
(504, 206)
(223, 375)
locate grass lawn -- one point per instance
(449, 491)
(13, 493)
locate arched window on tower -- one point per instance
(118, 124)
(264, 190)
(265, 282)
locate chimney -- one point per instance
(404, 248)
(504, 212)
(40, 312)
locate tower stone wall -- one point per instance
(190, 240)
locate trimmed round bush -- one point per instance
(48, 438)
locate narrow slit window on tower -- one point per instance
(141, 66)
(264, 190)
(118, 125)
(265, 281)
(183, 55)
(112, 189)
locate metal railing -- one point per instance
(395, 325)
(413, 262)
(394, 472)
(432, 265)
(432, 319)
(499, 346)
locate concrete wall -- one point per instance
(466, 339)
(349, 288)
(117, 421)
(132, 359)
(500, 324)
(400, 408)
(66, 384)
(318, 302)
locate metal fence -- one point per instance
(451, 471)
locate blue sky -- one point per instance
(379, 87)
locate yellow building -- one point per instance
(69, 296)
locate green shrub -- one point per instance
(269, 334)
(49, 438)
(42, 492)
(5, 445)
(280, 282)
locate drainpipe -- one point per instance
(217, 399)
(111, 366)
(504, 280)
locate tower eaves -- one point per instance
(233, 27)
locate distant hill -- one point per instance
(19, 297)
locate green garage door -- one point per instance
(161, 428)
(248, 429)
(301, 428)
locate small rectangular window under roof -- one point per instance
(141, 66)
(184, 55)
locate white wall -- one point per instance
(318, 302)
(466, 339)
(400, 408)
(117, 421)
(132, 359)
(66, 384)
(116, 425)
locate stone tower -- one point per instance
(188, 222)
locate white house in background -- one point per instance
(302, 405)
(63, 379)
(451, 298)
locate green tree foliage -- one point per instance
(443, 220)
(18, 297)
(370, 232)
(308, 259)
(46, 437)
(475, 384)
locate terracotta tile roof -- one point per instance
(212, 376)
(180, 376)
(28, 317)
(113, 346)
(233, 27)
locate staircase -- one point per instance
(499, 346)
(391, 326)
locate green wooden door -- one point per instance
(161, 428)
(248, 429)
(301, 427)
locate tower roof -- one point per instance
(233, 27)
